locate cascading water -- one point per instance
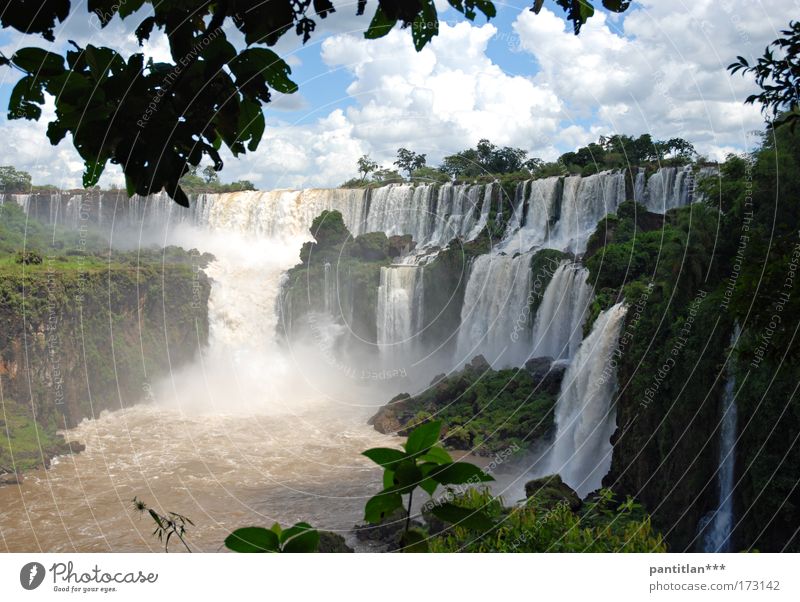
(558, 326)
(668, 188)
(494, 320)
(400, 302)
(537, 211)
(584, 202)
(718, 525)
(585, 415)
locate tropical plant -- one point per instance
(299, 538)
(777, 73)
(167, 525)
(424, 464)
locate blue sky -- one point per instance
(523, 80)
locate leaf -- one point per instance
(407, 476)
(38, 61)
(180, 197)
(380, 25)
(301, 538)
(92, 171)
(384, 456)
(475, 520)
(617, 6)
(25, 99)
(414, 541)
(267, 64)
(423, 437)
(459, 473)
(251, 123)
(252, 540)
(145, 29)
(382, 505)
(437, 455)
(425, 25)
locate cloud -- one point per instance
(658, 69)
(662, 71)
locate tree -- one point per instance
(366, 166)
(485, 158)
(155, 120)
(408, 161)
(777, 73)
(13, 180)
(210, 175)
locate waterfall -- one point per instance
(584, 202)
(558, 327)
(399, 310)
(718, 525)
(455, 216)
(639, 190)
(584, 413)
(668, 188)
(329, 285)
(494, 316)
(538, 209)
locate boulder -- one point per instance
(333, 543)
(551, 490)
(388, 532)
(539, 366)
(478, 364)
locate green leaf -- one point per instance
(423, 437)
(301, 538)
(267, 64)
(414, 541)
(252, 539)
(384, 456)
(381, 506)
(38, 61)
(251, 123)
(425, 25)
(92, 172)
(475, 520)
(407, 475)
(617, 6)
(459, 473)
(388, 478)
(25, 99)
(428, 486)
(437, 455)
(380, 25)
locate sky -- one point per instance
(521, 79)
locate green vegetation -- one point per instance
(484, 411)
(777, 75)
(688, 277)
(167, 525)
(12, 180)
(75, 318)
(193, 182)
(601, 524)
(353, 271)
(25, 443)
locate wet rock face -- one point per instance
(483, 410)
(551, 491)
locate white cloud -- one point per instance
(660, 69)
(665, 73)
